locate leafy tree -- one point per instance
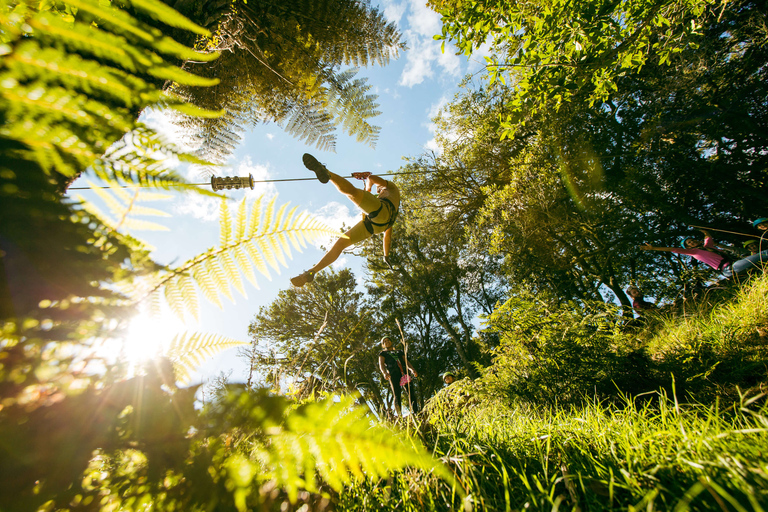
(565, 51)
(320, 338)
(75, 431)
(281, 62)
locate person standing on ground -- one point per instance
(394, 367)
(380, 213)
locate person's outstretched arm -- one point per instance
(649, 247)
(383, 368)
(377, 180)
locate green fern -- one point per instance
(73, 80)
(335, 442)
(245, 246)
(187, 351)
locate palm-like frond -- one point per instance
(69, 88)
(243, 248)
(334, 442)
(187, 351)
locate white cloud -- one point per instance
(423, 20)
(425, 56)
(270, 136)
(199, 207)
(394, 11)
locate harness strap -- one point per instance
(392, 216)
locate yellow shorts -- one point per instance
(369, 204)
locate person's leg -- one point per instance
(394, 381)
(355, 235)
(751, 262)
(362, 198)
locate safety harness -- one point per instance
(392, 216)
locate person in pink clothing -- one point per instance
(705, 253)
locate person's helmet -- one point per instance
(759, 221)
(448, 374)
(682, 244)
(748, 243)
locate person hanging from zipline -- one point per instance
(380, 212)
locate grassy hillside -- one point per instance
(676, 419)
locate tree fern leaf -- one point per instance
(244, 264)
(230, 268)
(161, 12)
(148, 212)
(225, 224)
(205, 283)
(279, 217)
(268, 251)
(255, 222)
(123, 22)
(168, 72)
(116, 208)
(242, 220)
(130, 224)
(126, 197)
(219, 277)
(50, 65)
(95, 211)
(269, 214)
(341, 442)
(153, 196)
(87, 38)
(189, 295)
(257, 258)
(174, 297)
(155, 304)
(187, 350)
(195, 111)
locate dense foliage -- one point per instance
(79, 428)
(601, 126)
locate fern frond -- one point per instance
(255, 222)
(220, 268)
(206, 283)
(131, 225)
(225, 224)
(257, 258)
(188, 350)
(241, 220)
(161, 12)
(231, 269)
(338, 441)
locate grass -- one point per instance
(662, 450)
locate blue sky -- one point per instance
(411, 90)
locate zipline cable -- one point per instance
(243, 182)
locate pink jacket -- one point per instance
(712, 259)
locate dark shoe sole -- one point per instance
(319, 169)
(302, 279)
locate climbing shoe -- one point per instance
(319, 169)
(303, 278)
